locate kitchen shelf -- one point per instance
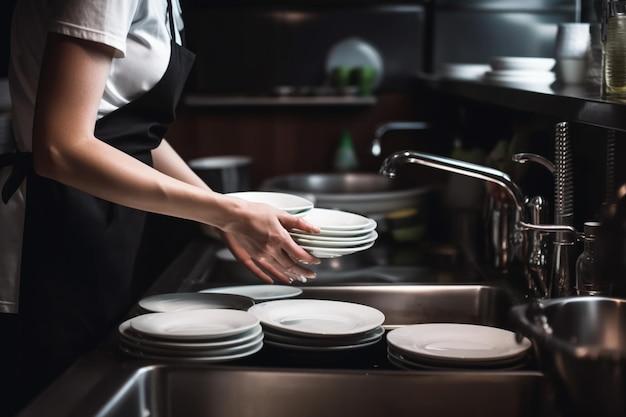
(568, 103)
(199, 100)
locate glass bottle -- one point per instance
(588, 281)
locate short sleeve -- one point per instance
(103, 21)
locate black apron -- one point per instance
(78, 250)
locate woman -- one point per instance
(94, 85)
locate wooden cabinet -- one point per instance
(284, 138)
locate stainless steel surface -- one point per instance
(364, 193)
(391, 126)
(394, 161)
(524, 157)
(511, 243)
(410, 304)
(563, 256)
(514, 245)
(165, 391)
(581, 342)
(360, 383)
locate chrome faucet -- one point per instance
(520, 220)
(389, 126)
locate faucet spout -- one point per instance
(386, 127)
(392, 162)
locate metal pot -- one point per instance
(224, 174)
(581, 344)
(395, 206)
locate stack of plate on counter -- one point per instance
(198, 336)
(511, 70)
(341, 232)
(452, 346)
(319, 326)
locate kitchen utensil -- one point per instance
(581, 343)
(224, 174)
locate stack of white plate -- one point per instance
(210, 335)
(510, 70)
(341, 233)
(455, 346)
(319, 326)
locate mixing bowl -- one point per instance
(581, 342)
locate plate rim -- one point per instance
(246, 323)
(287, 291)
(408, 332)
(262, 311)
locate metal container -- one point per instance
(369, 194)
(581, 342)
(224, 174)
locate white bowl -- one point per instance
(522, 63)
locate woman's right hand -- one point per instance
(258, 237)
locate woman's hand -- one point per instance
(259, 239)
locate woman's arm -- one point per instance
(72, 81)
(169, 162)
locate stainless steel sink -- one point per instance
(174, 391)
(360, 383)
(405, 304)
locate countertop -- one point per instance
(187, 272)
(574, 103)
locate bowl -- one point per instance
(368, 194)
(581, 343)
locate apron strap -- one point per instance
(22, 163)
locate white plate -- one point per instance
(322, 252)
(176, 352)
(519, 77)
(343, 233)
(355, 52)
(194, 324)
(522, 63)
(283, 201)
(336, 243)
(464, 71)
(128, 334)
(300, 340)
(458, 342)
(258, 292)
(326, 238)
(320, 348)
(163, 303)
(337, 220)
(318, 317)
(192, 359)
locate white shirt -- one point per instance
(140, 33)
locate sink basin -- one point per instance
(169, 391)
(410, 304)
(360, 383)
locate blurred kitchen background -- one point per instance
(261, 88)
